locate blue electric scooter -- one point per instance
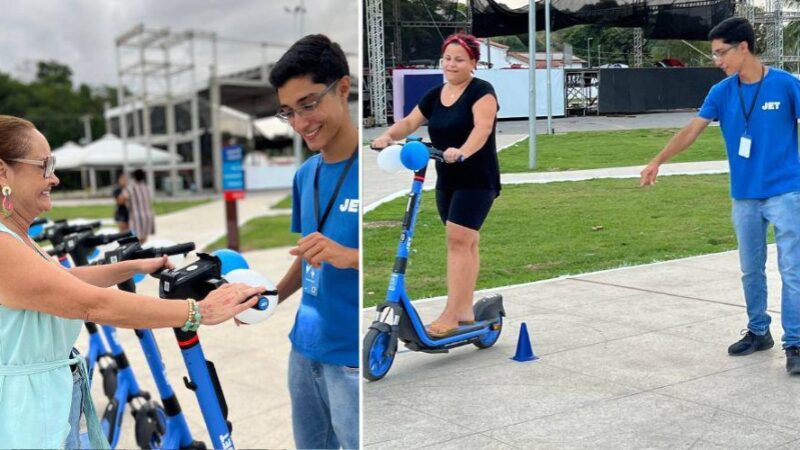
(196, 281)
(156, 427)
(397, 320)
(124, 388)
(98, 353)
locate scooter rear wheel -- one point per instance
(376, 358)
(489, 339)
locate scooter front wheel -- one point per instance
(150, 425)
(489, 339)
(378, 354)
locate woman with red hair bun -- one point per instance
(461, 116)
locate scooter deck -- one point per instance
(462, 329)
(445, 348)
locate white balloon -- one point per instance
(389, 159)
(253, 278)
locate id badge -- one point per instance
(744, 146)
(311, 278)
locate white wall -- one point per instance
(257, 178)
(511, 86)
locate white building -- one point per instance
(497, 56)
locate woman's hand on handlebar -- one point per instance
(152, 265)
(381, 142)
(453, 154)
(228, 300)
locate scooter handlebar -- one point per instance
(103, 239)
(58, 250)
(435, 153)
(154, 252)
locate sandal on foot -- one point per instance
(434, 330)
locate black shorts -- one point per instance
(466, 208)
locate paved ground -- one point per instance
(629, 358)
(251, 361)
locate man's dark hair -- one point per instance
(138, 175)
(734, 30)
(315, 55)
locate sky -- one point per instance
(81, 33)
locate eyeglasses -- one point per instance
(49, 164)
(719, 54)
(304, 110)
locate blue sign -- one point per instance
(232, 171)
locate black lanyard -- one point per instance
(321, 220)
(746, 113)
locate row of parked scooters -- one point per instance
(158, 423)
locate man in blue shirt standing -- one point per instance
(313, 83)
(758, 108)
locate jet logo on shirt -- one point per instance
(349, 205)
(771, 106)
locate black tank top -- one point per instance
(450, 126)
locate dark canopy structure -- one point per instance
(660, 19)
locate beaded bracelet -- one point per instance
(193, 319)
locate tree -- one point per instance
(54, 73)
(52, 104)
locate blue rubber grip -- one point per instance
(262, 304)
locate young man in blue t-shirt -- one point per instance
(313, 83)
(758, 108)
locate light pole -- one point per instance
(532, 84)
(599, 55)
(589, 51)
(299, 14)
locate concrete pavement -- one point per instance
(634, 357)
(629, 358)
(251, 360)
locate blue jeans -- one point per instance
(74, 437)
(750, 220)
(325, 403)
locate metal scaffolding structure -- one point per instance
(164, 72)
(638, 47)
(376, 86)
(774, 16)
(377, 65)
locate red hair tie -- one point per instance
(462, 43)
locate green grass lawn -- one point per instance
(541, 231)
(285, 203)
(596, 149)
(107, 211)
(262, 233)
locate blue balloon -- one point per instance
(231, 260)
(138, 278)
(414, 155)
(36, 231)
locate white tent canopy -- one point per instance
(272, 128)
(69, 155)
(106, 153)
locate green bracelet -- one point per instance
(193, 320)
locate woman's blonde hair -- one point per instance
(14, 137)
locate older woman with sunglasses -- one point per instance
(43, 384)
